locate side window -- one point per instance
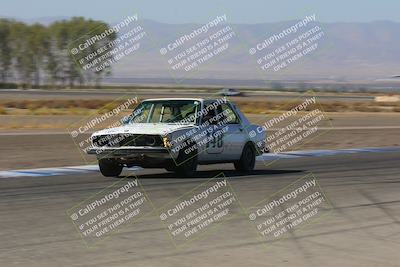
(228, 115)
(209, 115)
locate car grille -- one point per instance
(118, 140)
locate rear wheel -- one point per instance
(110, 168)
(247, 159)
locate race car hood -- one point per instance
(144, 128)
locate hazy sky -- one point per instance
(181, 11)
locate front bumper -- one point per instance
(112, 152)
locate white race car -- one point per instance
(230, 92)
(178, 134)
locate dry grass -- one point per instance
(86, 107)
(267, 107)
(3, 111)
(56, 107)
(54, 104)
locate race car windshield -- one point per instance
(166, 111)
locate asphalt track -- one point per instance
(363, 228)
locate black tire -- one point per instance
(110, 168)
(247, 159)
(186, 163)
(170, 167)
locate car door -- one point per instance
(234, 134)
(212, 141)
(215, 144)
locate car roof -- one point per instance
(173, 98)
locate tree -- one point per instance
(67, 35)
(36, 53)
(22, 56)
(5, 50)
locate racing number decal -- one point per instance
(215, 141)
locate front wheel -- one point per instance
(186, 163)
(247, 159)
(110, 168)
